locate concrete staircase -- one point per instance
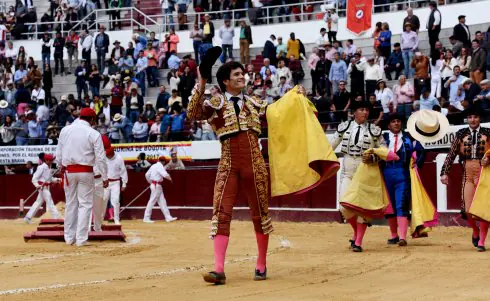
(66, 84)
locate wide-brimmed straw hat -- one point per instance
(427, 126)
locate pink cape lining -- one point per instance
(326, 169)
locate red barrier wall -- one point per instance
(194, 188)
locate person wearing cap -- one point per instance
(80, 148)
(461, 31)
(5, 110)
(149, 111)
(118, 51)
(397, 176)
(470, 145)
(102, 43)
(355, 137)
(71, 44)
(208, 31)
(121, 128)
(155, 176)
(240, 149)
(175, 163)
(118, 179)
(42, 180)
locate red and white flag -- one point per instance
(359, 15)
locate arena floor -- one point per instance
(307, 261)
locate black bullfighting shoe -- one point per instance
(216, 278)
(352, 243)
(208, 60)
(260, 276)
(402, 243)
(475, 241)
(481, 248)
(357, 249)
(393, 241)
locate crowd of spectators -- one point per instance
(115, 82)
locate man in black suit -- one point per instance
(270, 50)
(462, 32)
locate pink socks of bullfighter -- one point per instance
(221, 244)
(393, 227)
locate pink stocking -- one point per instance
(393, 227)
(361, 230)
(220, 245)
(353, 222)
(262, 244)
(483, 233)
(473, 225)
(403, 223)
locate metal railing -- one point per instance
(137, 21)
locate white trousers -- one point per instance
(43, 195)
(99, 204)
(157, 196)
(435, 87)
(112, 193)
(349, 168)
(78, 206)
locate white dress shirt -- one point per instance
(80, 144)
(117, 170)
(399, 142)
(384, 96)
(39, 94)
(42, 174)
(474, 146)
(157, 173)
(240, 102)
(87, 43)
(42, 113)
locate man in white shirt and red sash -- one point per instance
(118, 176)
(80, 148)
(155, 176)
(42, 180)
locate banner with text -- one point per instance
(129, 152)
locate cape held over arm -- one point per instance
(300, 156)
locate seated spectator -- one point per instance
(283, 86)
(155, 130)
(140, 129)
(482, 100)
(207, 131)
(426, 101)
(150, 111)
(282, 70)
(20, 75)
(267, 65)
(141, 164)
(470, 90)
(175, 98)
(196, 131)
(175, 163)
(394, 63)
(250, 74)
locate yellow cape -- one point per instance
(480, 206)
(300, 156)
(424, 214)
(366, 194)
